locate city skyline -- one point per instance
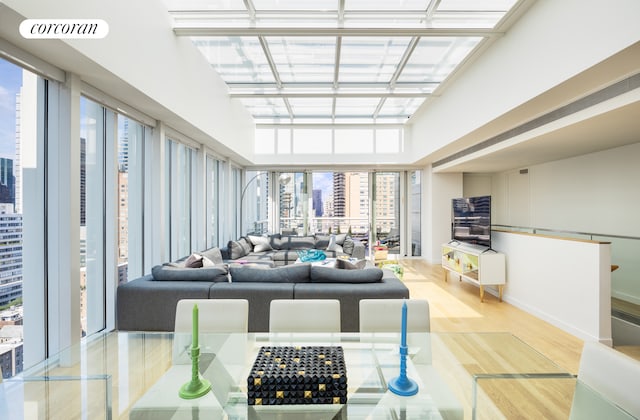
(10, 84)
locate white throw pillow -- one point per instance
(332, 243)
(260, 243)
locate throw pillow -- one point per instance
(246, 245)
(332, 243)
(260, 243)
(345, 264)
(235, 250)
(194, 261)
(206, 262)
(348, 246)
(214, 254)
(340, 238)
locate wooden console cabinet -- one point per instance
(475, 264)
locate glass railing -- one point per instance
(625, 266)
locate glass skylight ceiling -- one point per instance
(337, 61)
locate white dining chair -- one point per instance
(612, 381)
(215, 315)
(384, 315)
(304, 315)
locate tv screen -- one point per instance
(471, 220)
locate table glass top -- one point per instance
(124, 375)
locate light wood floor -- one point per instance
(455, 307)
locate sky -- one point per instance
(10, 82)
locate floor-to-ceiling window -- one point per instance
(212, 201)
(340, 203)
(415, 208)
(21, 212)
(179, 172)
(387, 210)
(96, 131)
(131, 139)
(255, 203)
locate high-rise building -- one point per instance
(123, 146)
(7, 182)
(10, 257)
(17, 164)
(317, 203)
(339, 194)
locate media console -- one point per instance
(475, 264)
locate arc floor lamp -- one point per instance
(283, 179)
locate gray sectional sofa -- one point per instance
(283, 250)
(148, 303)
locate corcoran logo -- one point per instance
(64, 28)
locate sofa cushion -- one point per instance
(322, 241)
(214, 254)
(297, 242)
(295, 273)
(333, 275)
(260, 243)
(217, 273)
(239, 248)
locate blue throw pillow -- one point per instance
(311, 255)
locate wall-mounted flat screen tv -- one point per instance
(471, 220)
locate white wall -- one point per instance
(548, 45)
(142, 59)
(565, 282)
(593, 193)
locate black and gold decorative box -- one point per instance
(298, 375)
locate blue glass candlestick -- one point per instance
(403, 385)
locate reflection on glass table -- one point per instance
(143, 372)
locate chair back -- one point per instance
(214, 315)
(304, 315)
(385, 315)
(607, 385)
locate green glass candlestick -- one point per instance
(198, 386)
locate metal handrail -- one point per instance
(537, 230)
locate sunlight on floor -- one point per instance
(442, 304)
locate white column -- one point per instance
(437, 191)
(111, 201)
(33, 228)
(155, 211)
(64, 215)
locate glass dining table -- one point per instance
(137, 375)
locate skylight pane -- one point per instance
(305, 107)
(356, 106)
(303, 59)
(236, 59)
(265, 107)
(475, 5)
(402, 107)
(386, 5)
(205, 5)
(435, 58)
(295, 5)
(370, 59)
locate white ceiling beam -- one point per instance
(319, 32)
